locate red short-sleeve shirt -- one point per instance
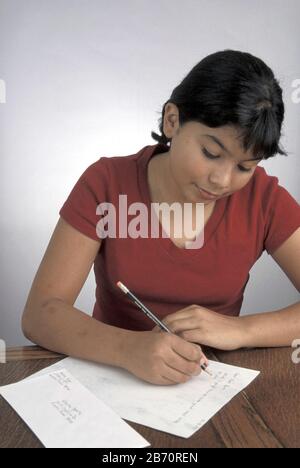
(259, 217)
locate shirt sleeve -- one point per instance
(282, 216)
(79, 210)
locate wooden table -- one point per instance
(265, 415)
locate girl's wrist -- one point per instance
(246, 332)
(126, 347)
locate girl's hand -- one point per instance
(162, 358)
(200, 325)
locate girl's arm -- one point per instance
(281, 327)
(272, 329)
(269, 329)
(51, 320)
(198, 324)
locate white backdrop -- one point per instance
(87, 78)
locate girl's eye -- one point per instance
(243, 169)
(208, 155)
(212, 156)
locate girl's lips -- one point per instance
(206, 194)
(209, 193)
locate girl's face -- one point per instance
(202, 157)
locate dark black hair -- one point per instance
(235, 88)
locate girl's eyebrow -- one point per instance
(216, 140)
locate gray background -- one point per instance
(86, 79)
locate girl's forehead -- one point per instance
(225, 131)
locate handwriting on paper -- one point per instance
(64, 414)
(66, 410)
(178, 409)
(220, 381)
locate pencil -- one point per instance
(150, 314)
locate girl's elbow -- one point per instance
(27, 325)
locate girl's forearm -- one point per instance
(272, 329)
(62, 328)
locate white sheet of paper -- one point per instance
(64, 414)
(177, 409)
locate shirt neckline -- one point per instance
(165, 242)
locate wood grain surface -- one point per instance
(265, 415)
